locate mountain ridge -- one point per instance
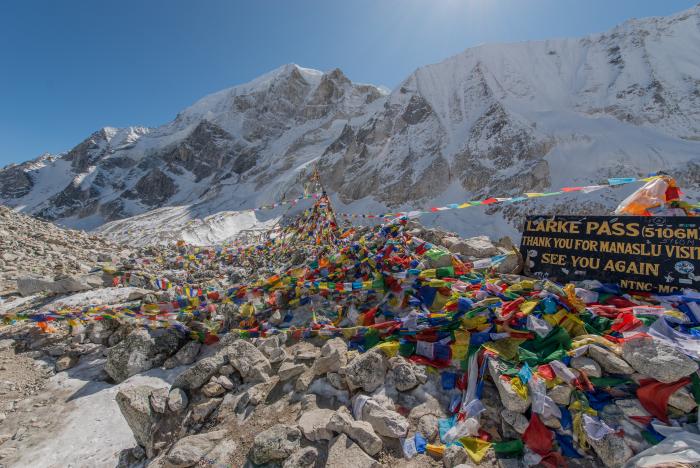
(491, 120)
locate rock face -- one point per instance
(276, 443)
(140, 351)
(657, 360)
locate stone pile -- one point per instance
(37, 256)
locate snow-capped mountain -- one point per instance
(495, 120)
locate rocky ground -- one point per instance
(111, 392)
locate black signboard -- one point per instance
(639, 253)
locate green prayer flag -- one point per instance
(509, 448)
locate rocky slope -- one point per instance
(494, 120)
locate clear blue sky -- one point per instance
(70, 67)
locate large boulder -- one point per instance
(657, 360)
(367, 371)
(314, 424)
(475, 247)
(333, 357)
(609, 361)
(359, 431)
(275, 444)
(406, 375)
(344, 453)
(612, 449)
(385, 422)
(29, 285)
(140, 351)
(200, 373)
(135, 405)
(186, 355)
(248, 360)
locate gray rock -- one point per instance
(333, 357)
(366, 371)
(344, 453)
(385, 422)
(303, 458)
(314, 424)
(29, 285)
(454, 456)
(225, 382)
(517, 421)
(188, 353)
(248, 361)
(289, 370)
(201, 411)
(609, 361)
(200, 373)
(134, 403)
(159, 399)
(275, 443)
(510, 399)
(99, 331)
(66, 362)
(587, 365)
(683, 400)
(612, 450)
(428, 427)
(477, 247)
(141, 351)
(359, 431)
(189, 450)
(561, 394)
(657, 360)
(337, 380)
(404, 374)
(177, 400)
(221, 454)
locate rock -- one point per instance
(428, 427)
(631, 407)
(200, 373)
(561, 394)
(141, 351)
(359, 431)
(66, 362)
(404, 374)
(333, 357)
(337, 381)
(385, 422)
(275, 443)
(188, 353)
(221, 454)
(177, 400)
(29, 285)
(289, 370)
(476, 247)
(134, 403)
(99, 331)
(510, 399)
(314, 424)
(517, 421)
(609, 361)
(657, 360)
(344, 453)
(213, 389)
(302, 458)
(683, 400)
(454, 455)
(159, 399)
(201, 411)
(225, 382)
(226, 370)
(587, 365)
(612, 450)
(366, 371)
(304, 381)
(189, 450)
(248, 361)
